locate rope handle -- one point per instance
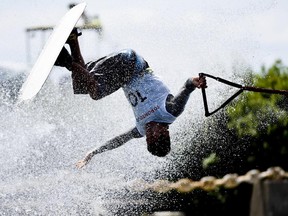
(236, 85)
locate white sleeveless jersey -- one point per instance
(147, 96)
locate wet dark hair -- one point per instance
(160, 147)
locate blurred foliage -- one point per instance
(211, 159)
(262, 118)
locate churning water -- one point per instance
(41, 141)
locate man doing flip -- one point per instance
(154, 107)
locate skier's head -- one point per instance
(158, 138)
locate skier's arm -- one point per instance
(175, 105)
(111, 144)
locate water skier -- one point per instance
(154, 107)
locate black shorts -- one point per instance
(115, 70)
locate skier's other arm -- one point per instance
(109, 145)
